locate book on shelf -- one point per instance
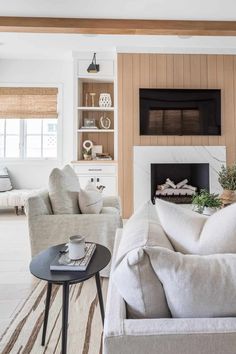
(62, 262)
(91, 127)
(103, 156)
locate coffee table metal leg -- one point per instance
(46, 312)
(65, 309)
(99, 290)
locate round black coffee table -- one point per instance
(40, 268)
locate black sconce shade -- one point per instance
(93, 67)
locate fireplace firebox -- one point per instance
(194, 177)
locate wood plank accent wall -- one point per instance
(170, 71)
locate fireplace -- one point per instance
(144, 156)
(186, 179)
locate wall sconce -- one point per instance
(93, 68)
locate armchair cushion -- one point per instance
(63, 191)
(190, 232)
(90, 202)
(196, 286)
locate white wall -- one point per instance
(34, 174)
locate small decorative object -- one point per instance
(87, 152)
(105, 123)
(105, 100)
(93, 94)
(206, 203)
(103, 156)
(96, 149)
(76, 247)
(93, 68)
(89, 123)
(227, 180)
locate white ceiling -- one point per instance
(145, 9)
(61, 46)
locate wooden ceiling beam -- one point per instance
(117, 26)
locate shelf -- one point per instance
(95, 130)
(101, 109)
(94, 162)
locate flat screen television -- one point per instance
(180, 111)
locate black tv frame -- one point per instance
(159, 98)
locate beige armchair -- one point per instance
(47, 229)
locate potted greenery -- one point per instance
(87, 154)
(227, 180)
(206, 203)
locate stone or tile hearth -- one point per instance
(145, 155)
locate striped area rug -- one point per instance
(23, 336)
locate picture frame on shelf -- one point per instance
(96, 149)
(89, 123)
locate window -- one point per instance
(28, 138)
(28, 122)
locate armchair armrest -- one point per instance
(112, 201)
(38, 205)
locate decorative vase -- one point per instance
(87, 157)
(105, 100)
(227, 197)
(209, 211)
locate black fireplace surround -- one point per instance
(180, 111)
(197, 175)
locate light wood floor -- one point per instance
(16, 282)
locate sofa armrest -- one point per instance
(112, 201)
(114, 317)
(38, 204)
(162, 335)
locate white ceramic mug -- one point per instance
(76, 247)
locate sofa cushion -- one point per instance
(196, 286)
(5, 182)
(190, 232)
(90, 202)
(63, 191)
(133, 274)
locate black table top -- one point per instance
(40, 265)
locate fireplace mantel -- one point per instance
(145, 155)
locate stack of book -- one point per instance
(62, 262)
(103, 156)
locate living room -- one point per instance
(117, 149)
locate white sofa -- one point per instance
(162, 335)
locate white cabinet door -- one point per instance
(110, 183)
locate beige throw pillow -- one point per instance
(63, 191)
(190, 232)
(196, 286)
(133, 274)
(90, 202)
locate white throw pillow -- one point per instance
(196, 286)
(133, 274)
(190, 232)
(5, 182)
(90, 202)
(63, 191)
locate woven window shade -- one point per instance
(28, 102)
